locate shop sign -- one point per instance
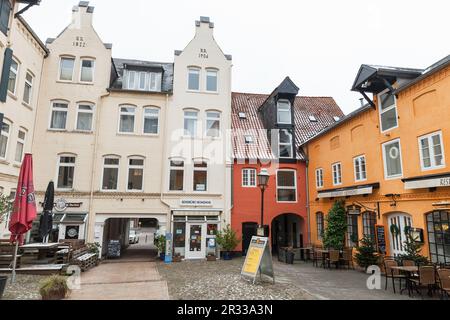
(61, 205)
(258, 258)
(428, 183)
(196, 202)
(345, 193)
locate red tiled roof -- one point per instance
(322, 108)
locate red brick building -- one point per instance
(267, 131)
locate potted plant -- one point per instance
(334, 234)
(366, 253)
(54, 288)
(227, 241)
(161, 245)
(412, 250)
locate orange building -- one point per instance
(387, 161)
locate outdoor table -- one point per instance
(408, 271)
(43, 250)
(325, 253)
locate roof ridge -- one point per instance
(266, 94)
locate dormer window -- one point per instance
(388, 111)
(284, 112)
(312, 119)
(336, 118)
(242, 115)
(285, 144)
(142, 80)
(248, 139)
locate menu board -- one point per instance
(381, 239)
(258, 258)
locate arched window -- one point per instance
(211, 79)
(66, 171)
(194, 78)
(190, 122)
(127, 115)
(320, 225)
(87, 66)
(4, 138)
(151, 120)
(110, 176)
(212, 123)
(85, 116)
(66, 66)
(135, 173)
(369, 219)
(58, 118)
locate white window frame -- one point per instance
(60, 67)
(249, 172)
(93, 69)
(183, 168)
(126, 113)
(197, 69)
(319, 178)
(190, 118)
(111, 166)
(288, 110)
(53, 108)
(146, 80)
(85, 111)
(204, 169)
(129, 166)
(209, 118)
(357, 165)
(158, 81)
(287, 187)
(429, 137)
(16, 72)
(386, 177)
(22, 142)
(59, 164)
(7, 135)
(129, 72)
(380, 112)
(30, 84)
(150, 117)
(212, 70)
(285, 144)
(336, 174)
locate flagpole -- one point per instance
(13, 275)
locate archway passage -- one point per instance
(287, 231)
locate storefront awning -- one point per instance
(196, 212)
(348, 191)
(428, 181)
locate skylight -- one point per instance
(336, 118)
(242, 115)
(248, 139)
(312, 119)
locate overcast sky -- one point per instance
(320, 44)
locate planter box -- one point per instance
(211, 258)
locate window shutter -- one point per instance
(7, 60)
(5, 12)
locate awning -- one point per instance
(196, 212)
(429, 181)
(348, 191)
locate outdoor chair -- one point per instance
(426, 279)
(317, 257)
(392, 273)
(333, 258)
(444, 282)
(347, 257)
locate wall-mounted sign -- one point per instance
(380, 239)
(345, 193)
(417, 234)
(61, 205)
(196, 202)
(352, 210)
(428, 183)
(203, 54)
(79, 42)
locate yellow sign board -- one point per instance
(251, 264)
(258, 258)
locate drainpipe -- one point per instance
(308, 211)
(163, 163)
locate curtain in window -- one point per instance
(59, 119)
(84, 121)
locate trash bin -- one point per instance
(290, 257)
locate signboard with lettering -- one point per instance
(345, 193)
(196, 202)
(168, 253)
(258, 259)
(380, 238)
(428, 183)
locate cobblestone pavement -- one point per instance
(26, 287)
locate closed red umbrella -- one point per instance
(24, 208)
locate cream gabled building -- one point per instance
(126, 139)
(21, 56)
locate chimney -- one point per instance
(82, 15)
(204, 26)
(361, 100)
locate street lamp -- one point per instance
(263, 179)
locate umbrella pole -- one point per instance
(13, 275)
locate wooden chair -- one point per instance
(444, 282)
(317, 257)
(347, 257)
(333, 258)
(392, 273)
(426, 279)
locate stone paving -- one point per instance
(26, 287)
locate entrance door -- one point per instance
(196, 240)
(248, 230)
(397, 233)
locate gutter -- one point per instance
(163, 164)
(308, 209)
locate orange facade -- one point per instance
(406, 167)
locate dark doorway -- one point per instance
(286, 231)
(248, 230)
(148, 223)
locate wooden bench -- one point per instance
(6, 260)
(84, 258)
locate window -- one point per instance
(285, 143)
(212, 123)
(320, 225)
(392, 159)
(319, 178)
(28, 90)
(135, 174)
(154, 82)
(242, 115)
(352, 230)
(84, 117)
(126, 121)
(312, 119)
(66, 69)
(360, 168)
(131, 80)
(388, 110)
(176, 175)
(439, 236)
(431, 151)
(200, 176)
(190, 123)
(66, 169)
(87, 70)
(4, 138)
(59, 115)
(194, 79)
(369, 219)
(249, 177)
(142, 80)
(20, 145)
(248, 139)
(211, 80)
(336, 118)
(151, 116)
(110, 173)
(337, 173)
(284, 111)
(13, 74)
(286, 186)
(5, 12)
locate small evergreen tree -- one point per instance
(334, 234)
(365, 255)
(412, 249)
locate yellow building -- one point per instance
(387, 161)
